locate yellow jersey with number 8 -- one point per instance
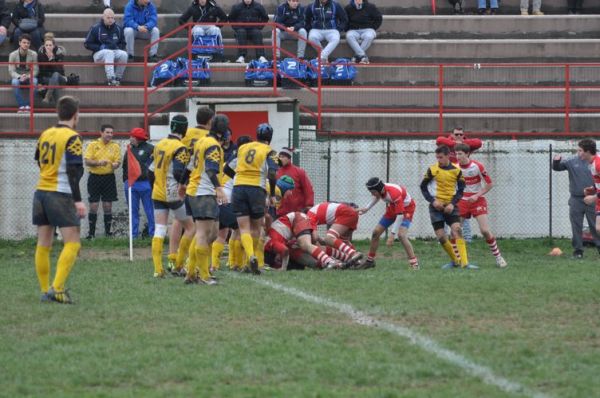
(253, 163)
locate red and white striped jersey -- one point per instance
(595, 169)
(396, 194)
(474, 174)
(283, 225)
(324, 213)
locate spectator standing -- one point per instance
(482, 6)
(140, 22)
(535, 7)
(102, 156)
(21, 61)
(580, 177)
(141, 189)
(51, 75)
(575, 6)
(325, 19)
(28, 17)
(363, 20)
(302, 197)
(106, 40)
(4, 21)
(291, 15)
(204, 11)
(458, 137)
(249, 11)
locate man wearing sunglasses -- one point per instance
(458, 137)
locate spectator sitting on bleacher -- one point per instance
(28, 17)
(206, 11)
(248, 11)
(291, 15)
(363, 20)
(535, 7)
(21, 60)
(574, 7)
(4, 21)
(51, 75)
(325, 19)
(482, 7)
(107, 42)
(139, 22)
(457, 6)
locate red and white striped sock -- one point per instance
(342, 246)
(322, 258)
(493, 247)
(330, 251)
(371, 256)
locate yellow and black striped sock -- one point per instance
(65, 262)
(450, 251)
(42, 266)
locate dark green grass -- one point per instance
(536, 323)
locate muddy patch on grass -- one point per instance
(139, 253)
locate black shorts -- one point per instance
(202, 207)
(227, 217)
(102, 187)
(439, 218)
(248, 200)
(54, 208)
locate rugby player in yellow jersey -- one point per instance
(204, 116)
(170, 159)
(443, 186)
(203, 195)
(256, 162)
(57, 199)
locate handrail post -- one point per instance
(31, 98)
(441, 99)
(274, 49)
(567, 98)
(146, 121)
(319, 90)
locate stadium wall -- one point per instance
(519, 203)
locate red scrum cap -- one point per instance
(138, 133)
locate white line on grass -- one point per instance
(427, 344)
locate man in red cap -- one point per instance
(302, 196)
(141, 188)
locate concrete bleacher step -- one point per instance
(393, 50)
(88, 122)
(399, 26)
(427, 122)
(387, 6)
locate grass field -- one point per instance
(530, 330)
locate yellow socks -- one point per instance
(259, 250)
(182, 251)
(248, 244)
(157, 250)
(42, 266)
(217, 249)
(462, 250)
(231, 254)
(202, 259)
(67, 258)
(238, 250)
(192, 262)
(450, 251)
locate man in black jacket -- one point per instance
(4, 21)
(107, 42)
(205, 11)
(363, 20)
(249, 11)
(291, 15)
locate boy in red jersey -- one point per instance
(398, 202)
(473, 203)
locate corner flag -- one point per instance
(134, 171)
